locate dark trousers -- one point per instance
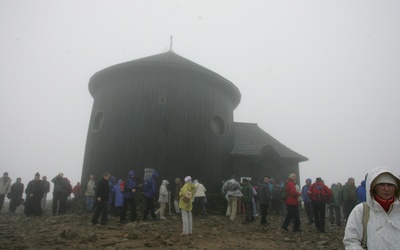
(57, 202)
(132, 203)
(334, 214)
(319, 215)
(33, 206)
(63, 204)
(200, 203)
(102, 208)
(292, 213)
(277, 206)
(149, 207)
(309, 211)
(14, 203)
(348, 207)
(264, 212)
(249, 210)
(2, 196)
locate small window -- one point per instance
(98, 121)
(218, 125)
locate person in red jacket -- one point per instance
(319, 194)
(292, 204)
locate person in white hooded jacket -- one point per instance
(383, 228)
(162, 199)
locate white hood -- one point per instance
(372, 174)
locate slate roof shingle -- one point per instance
(249, 139)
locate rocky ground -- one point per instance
(74, 231)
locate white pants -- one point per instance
(231, 210)
(177, 209)
(160, 211)
(187, 222)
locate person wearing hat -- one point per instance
(186, 204)
(162, 199)
(383, 223)
(200, 199)
(34, 194)
(319, 194)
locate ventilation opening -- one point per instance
(218, 125)
(162, 100)
(98, 121)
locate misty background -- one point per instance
(322, 77)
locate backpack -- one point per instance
(320, 195)
(284, 194)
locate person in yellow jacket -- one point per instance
(186, 204)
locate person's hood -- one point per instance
(165, 182)
(155, 175)
(372, 174)
(119, 182)
(363, 183)
(131, 173)
(232, 181)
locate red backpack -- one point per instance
(320, 194)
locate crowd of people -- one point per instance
(378, 194)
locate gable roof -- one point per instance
(250, 139)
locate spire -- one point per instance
(170, 45)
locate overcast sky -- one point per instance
(322, 77)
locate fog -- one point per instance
(322, 77)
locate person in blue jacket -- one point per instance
(361, 193)
(118, 191)
(149, 189)
(129, 190)
(307, 201)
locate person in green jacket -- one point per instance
(334, 206)
(247, 191)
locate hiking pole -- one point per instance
(169, 203)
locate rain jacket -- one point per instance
(91, 185)
(119, 196)
(5, 185)
(151, 192)
(111, 184)
(247, 191)
(232, 188)
(200, 190)
(336, 200)
(188, 187)
(383, 228)
(304, 193)
(319, 192)
(130, 184)
(264, 194)
(163, 196)
(361, 192)
(293, 195)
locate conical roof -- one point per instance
(168, 60)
